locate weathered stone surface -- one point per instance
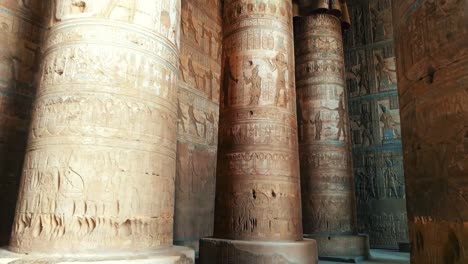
(169, 255)
(342, 246)
(257, 189)
(198, 112)
(21, 28)
(432, 63)
(100, 163)
(375, 123)
(258, 252)
(326, 171)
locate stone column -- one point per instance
(98, 177)
(329, 212)
(21, 30)
(432, 65)
(258, 202)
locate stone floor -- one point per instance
(382, 257)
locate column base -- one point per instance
(344, 248)
(169, 255)
(214, 250)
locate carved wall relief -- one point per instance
(430, 40)
(100, 163)
(257, 189)
(326, 178)
(375, 123)
(21, 28)
(198, 115)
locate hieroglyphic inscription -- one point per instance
(326, 178)
(198, 115)
(431, 51)
(21, 28)
(258, 192)
(100, 164)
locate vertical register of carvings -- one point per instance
(257, 189)
(198, 112)
(432, 63)
(326, 171)
(21, 27)
(100, 163)
(375, 124)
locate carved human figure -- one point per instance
(383, 71)
(193, 121)
(189, 26)
(206, 32)
(279, 64)
(365, 121)
(318, 126)
(391, 179)
(256, 86)
(209, 76)
(191, 70)
(362, 75)
(181, 116)
(387, 119)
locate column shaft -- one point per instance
(258, 195)
(100, 162)
(431, 49)
(326, 169)
(257, 186)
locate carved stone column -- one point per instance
(21, 28)
(432, 65)
(258, 204)
(98, 177)
(329, 212)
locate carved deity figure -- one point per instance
(193, 121)
(318, 126)
(189, 25)
(209, 35)
(256, 86)
(180, 116)
(361, 76)
(391, 179)
(209, 76)
(384, 73)
(192, 72)
(341, 117)
(387, 120)
(280, 65)
(227, 78)
(365, 121)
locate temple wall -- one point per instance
(21, 28)
(198, 110)
(432, 63)
(375, 123)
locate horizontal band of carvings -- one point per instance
(323, 22)
(127, 72)
(102, 31)
(264, 113)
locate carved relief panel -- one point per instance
(198, 115)
(375, 124)
(21, 28)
